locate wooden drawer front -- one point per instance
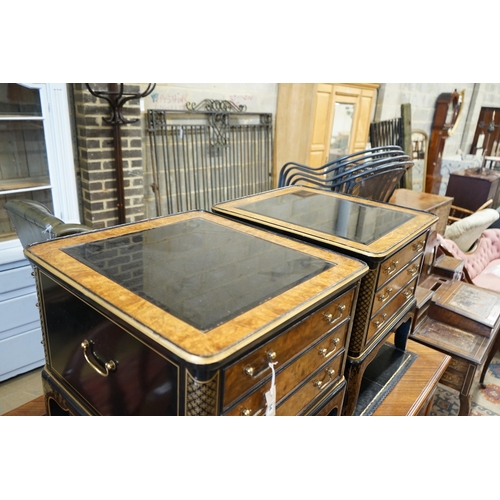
(254, 368)
(459, 365)
(385, 315)
(393, 287)
(453, 379)
(295, 373)
(142, 381)
(314, 387)
(334, 405)
(255, 403)
(391, 266)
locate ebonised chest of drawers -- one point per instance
(390, 239)
(193, 314)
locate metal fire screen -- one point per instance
(210, 153)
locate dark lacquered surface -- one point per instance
(348, 219)
(201, 272)
(143, 383)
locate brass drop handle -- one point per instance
(380, 321)
(392, 268)
(325, 352)
(252, 371)
(109, 366)
(413, 270)
(408, 293)
(417, 247)
(331, 318)
(246, 412)
(384, 297)
(321, 384)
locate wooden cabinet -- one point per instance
(473, 187)
(390, 239)
(318, 122)
(433, 203)
(193, 314)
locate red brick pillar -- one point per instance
(96, 158)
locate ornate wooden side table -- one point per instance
(193, 314)
(462, 321)
(390, 239)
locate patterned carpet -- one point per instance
(485, 402)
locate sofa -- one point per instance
(481, 262)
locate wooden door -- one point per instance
(341, 122)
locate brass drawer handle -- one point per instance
(417, 247)
(325, 352)
(392, 268)
(246, 412)
(321, 384)
(408, 293)
(254, 373)
(380, 322)
(108, 366)
(331, 318)
(413, 270)
(383, 298)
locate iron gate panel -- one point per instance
(200, 158)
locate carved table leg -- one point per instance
(493, 350)
(402, 333)
(465, 404)
(354, 374)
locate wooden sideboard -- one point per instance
(390, 239)
(193, 314)
(433, 203)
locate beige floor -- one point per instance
(19, 390)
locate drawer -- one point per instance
(13, 280)
(19, 311)
(391, 266)
(137, 381)
(391, 288)
(255, 403)
(21, 353)
(459, 365)
(296, 372)
(314, 388)
(334, 405)
(254, 368)
(453, 379)
(385, 315)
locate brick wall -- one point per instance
(96, 158)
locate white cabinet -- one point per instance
(21, 347)
(36, 162)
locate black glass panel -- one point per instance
(343, 218)
(199, 271)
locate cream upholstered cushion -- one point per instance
(466, 231)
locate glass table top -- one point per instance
(201, 272)
(340, 217)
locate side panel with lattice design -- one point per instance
(202, 397)
(363, 310)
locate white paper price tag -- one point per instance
(271, 395)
